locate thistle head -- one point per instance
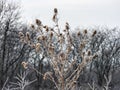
(67, 27)
(32, 26)
(55, 10)
(21, 34)
(25, 65)
(38, 22)
(94, 33)
(85, 31)
(37, 47)
(78, 34)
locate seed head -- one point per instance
(55, 10)
(54, 17)
(38, 22)
(83, 54)
(94, 33)
(64, 30)
(67, 26)
(45, 76)
(85, 31)
(62, 56)
(39, 38)
(45, 26)
(89, 53)
(52, 29)
(60, 34)
(69, 49)
(51, 34)
(95, 56)
(82, 45)
(78, 34)
(21, 34)
(33, 45)
(47, 29)
(43, 38)
(32, 26)
(51, 49)
(37, 47)
(27, 36)
(25, 65)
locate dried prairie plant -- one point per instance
(57, 46)
(21, 35)
(108, 80)
(22, 82)
(92, 87)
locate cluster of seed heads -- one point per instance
(59, 60)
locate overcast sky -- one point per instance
(76, 12)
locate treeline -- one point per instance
(40, 57)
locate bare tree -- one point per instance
(20, 83)
(107, 43)
(11, 51)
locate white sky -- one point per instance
(76, 12)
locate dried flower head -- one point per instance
(60, 34)
(52, 29)
(82, 45)
(85, 31)
(32, 26)
(51, 35)
(32, 45)
(51, 50)
(64, 30)
(47, 75)
(43, 38)
(47, 29)
(78, 34)
(37, 47)
(87, 59)
(89, 53)
(67, 27)
(45, 26)
(69, 49)
(55, 10)
(27, 36)
(21, 34)
(39, 38)
(94, 33)
(83, 54)
(38, 22)
(54, 17)
(62, 56)
(25, 65)
(95, 56)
